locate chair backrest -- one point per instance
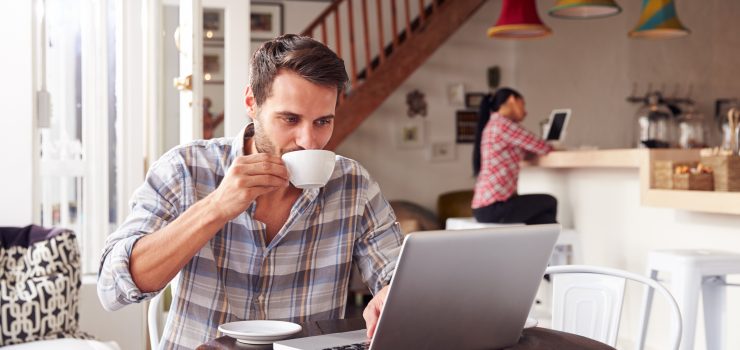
(156, 310)
(40, 283)
(152, 319)
(454, 204)
(587, 300)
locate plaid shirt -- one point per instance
(302, 274)
(503, 143)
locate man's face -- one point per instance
(296, 115)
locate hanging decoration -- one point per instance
(583, 9)
(519, 20)
(659, 21)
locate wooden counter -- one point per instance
(611, 158)
(703, 201)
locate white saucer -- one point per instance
(530, 323)
(259, 332)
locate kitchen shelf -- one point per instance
(703, 201)
(700, 201)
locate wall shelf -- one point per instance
(703, 201)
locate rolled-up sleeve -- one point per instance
(153, 205)
(378, 245)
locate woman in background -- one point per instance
(500, 144)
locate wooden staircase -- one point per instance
(384, 64)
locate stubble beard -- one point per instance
(261, 143)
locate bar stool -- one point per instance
(566, 251)
(692, 271)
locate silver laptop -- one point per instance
(462, 289)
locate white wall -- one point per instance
(17, 125)
(590, 66)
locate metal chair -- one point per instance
(696, 275)
(153, 311)
(587, 300)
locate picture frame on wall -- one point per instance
(474, 99)
(409, 133)
(213, 28)
(266, 20)
(213, 64)
(442, 151)
(466, 123)
(456, 94)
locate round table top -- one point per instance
(532, 339)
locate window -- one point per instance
(77, 127)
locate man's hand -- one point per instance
(248, 178)
(372, 311)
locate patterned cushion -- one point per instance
(39, 284)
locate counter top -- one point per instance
(704, 201)
(610, 158)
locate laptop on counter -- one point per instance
(462, 289)
(555, 128)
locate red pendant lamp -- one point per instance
(519, 20)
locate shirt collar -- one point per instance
(237, 145)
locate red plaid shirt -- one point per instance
(502, 147)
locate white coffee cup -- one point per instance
(309, 168)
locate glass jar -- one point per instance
(657, 124)
(693, 131)
(731, 131)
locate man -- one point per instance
(247, 244)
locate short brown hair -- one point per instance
(303, 55)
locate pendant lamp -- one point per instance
(658, 21)
(519, 20)
(582, 9)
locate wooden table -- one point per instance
(533, 338)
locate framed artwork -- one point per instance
(473, 99)
(213, 65)
(213, 28)
(466, 122)
(266, 20)
(442, 152)
(456, 94)
(409, 133)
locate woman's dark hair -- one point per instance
(490, 103)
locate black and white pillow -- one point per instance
(39, 285)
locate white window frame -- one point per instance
(93, 224)
(131, 75)
(94, 69)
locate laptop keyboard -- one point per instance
(356, 346)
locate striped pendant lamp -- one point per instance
(582, 9)
(519, 20)
(658, 21)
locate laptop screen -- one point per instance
(556, 126)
